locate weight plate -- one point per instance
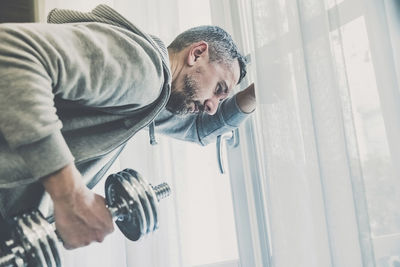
(46, 253)
(34, 255)
(41, 237)
(52, 239)
(118, 188)
(32, 258)
(154, 205)
(109, 190)
(117, 197)
(144, 201)
(150, 195)
(139, 207)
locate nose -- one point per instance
(211, 105)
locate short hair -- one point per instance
(221, 47)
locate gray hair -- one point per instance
(221, 47)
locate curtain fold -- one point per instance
(327, 119)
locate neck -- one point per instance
(175, 62)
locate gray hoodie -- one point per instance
(77, 92)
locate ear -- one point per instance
(197, 51)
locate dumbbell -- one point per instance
(132, 202)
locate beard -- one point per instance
(180, 102)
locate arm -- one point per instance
(78, 63)
(203, 128)
(91, 65)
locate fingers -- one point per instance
(83, 220)
(98, 236)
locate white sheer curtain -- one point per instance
(327, 129)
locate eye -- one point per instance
(219, 90)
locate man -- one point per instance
(72, 94)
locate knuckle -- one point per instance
(68, 247)
(100, 237)
(71, 245)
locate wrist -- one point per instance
(64, 183)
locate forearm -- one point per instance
(246, 99)
(202, 128)
(63, 183)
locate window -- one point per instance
(318, 163)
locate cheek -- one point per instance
(206, 86)
(201, 92)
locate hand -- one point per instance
(81, 216)
(246, 99)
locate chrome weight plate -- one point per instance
(150, 195)
(140, 209)
(52, 239)
(119, 191)
(41, 237)
(132, 178)
(32, 250)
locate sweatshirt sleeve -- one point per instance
(91, 64)
(202, 128)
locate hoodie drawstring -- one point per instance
(152, 136)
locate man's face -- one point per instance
(202, 86)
